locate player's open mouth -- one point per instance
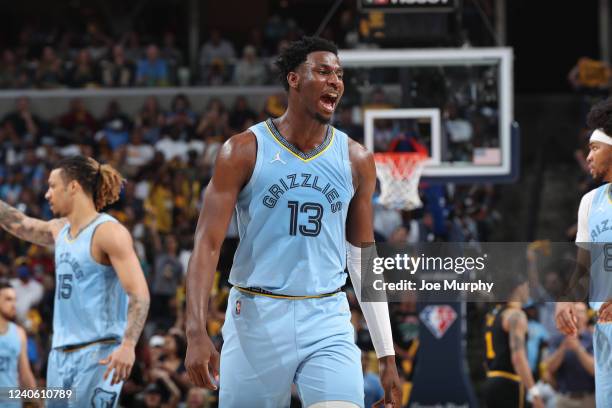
(329, 100)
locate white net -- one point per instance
(399, 175)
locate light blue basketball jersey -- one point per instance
(600, 233)
(291, 216)
(90, 303)
(10, 348)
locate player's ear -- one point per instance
(293, 78)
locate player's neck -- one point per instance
(301, 129)
(3, 325)
(83, 213)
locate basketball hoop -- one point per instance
(399, 175)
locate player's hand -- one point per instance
(120, 363)
(391, 384)
(605, 312)
(537, 402)
(201, 354)
(565, 317)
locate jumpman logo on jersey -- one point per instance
(277, 158)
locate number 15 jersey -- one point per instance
(292, 215)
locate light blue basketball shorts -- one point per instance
(270, 343)
(602, 345)
(80, 371)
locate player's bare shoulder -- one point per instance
(56, 225)
(236, 158)
(362, 163)
(513, 319)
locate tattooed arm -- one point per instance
(516, 324)
(27, 228)
(115, 242)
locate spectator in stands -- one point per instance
(29, 291)
(49, 73)
(172, 54)
(571, 364)
(216, 52)
(249, 70)
(26, 124)
(181, 117)
(159, 203)
(214, 121)
(98, 42)
(13, 74)
(196, 398)
(172, 360)
(537, 339)
(241, 116)
(115, 127)
(345, 123)
(133, 49)
(172, 146)
(167, 277)
(83, 73)
(151, 118)
(138, 153)
(33, 170)
(78, 121)
(152, 70)
(373, 390)
(118, 71)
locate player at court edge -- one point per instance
(592, 239)
(15, 370)
(101, 296)
(509, 383)
(301, 190)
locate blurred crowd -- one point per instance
(51, 58)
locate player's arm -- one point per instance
(555, 359)
(30, 229)
(565, 314)
(26, 378)
(360, 237)
(116, 242)
(233, 167)
(516, 325)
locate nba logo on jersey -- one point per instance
(438, 319)
(238, 307)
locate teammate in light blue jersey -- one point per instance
(301, 190)
(15, 371)
(594, 239)
(101, 296)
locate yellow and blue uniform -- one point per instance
(287, 321)
(89, 319)
(503, 387)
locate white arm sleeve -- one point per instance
(375, 313)
(583, 217)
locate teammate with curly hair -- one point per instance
(594, 238)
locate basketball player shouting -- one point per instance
(95, 330)
(300, 187)
(594, 213)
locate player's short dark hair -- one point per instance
(600, 116)
(101, 181)
(4, 284)
(297, 52)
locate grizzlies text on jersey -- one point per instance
(292, 215)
